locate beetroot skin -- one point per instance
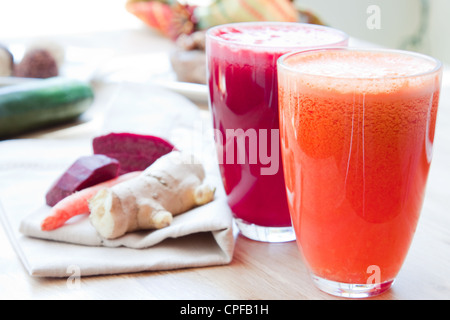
(85, 172)
(134, 152)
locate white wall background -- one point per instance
(418, 25)
(439, 31)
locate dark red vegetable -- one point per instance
(134, 152)
(85, 172)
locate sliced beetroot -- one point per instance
(83, 173)
(135, 152)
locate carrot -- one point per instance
(78, 203)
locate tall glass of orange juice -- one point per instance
(357, 130)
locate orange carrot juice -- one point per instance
(357, 130)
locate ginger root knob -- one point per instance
(170, 186)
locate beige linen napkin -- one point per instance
(200, 237)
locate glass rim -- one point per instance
(210, 35)
(438, 64)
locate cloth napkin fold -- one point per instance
(203, 236)
(200, 237)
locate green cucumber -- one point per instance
(41, 104)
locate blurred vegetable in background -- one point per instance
(173, 18)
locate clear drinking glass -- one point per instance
(243, 94)
(357, 132)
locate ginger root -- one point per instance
(170, 186)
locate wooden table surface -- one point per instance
(258, 270)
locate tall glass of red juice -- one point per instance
(243, 93)
(357, 132)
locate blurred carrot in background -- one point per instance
(173, 18)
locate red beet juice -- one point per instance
(242, 79)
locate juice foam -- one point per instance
(359, 64)
(362, 71)
(278, 35)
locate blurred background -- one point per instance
(420, 25)
(94, 32)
